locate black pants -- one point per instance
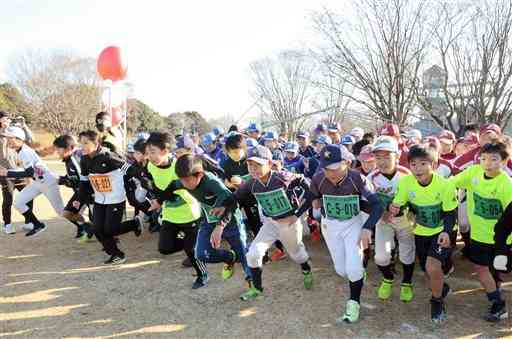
(8, 187)
(107, 221)
(170, 242)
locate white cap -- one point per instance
(385, 143)
(357, 131)
(14, 132)
(413, 133)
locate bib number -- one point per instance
(211, 219)
(428, 216)
(485, 208)
(274, 203)
(341, 207)
(101, 183)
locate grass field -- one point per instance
(52, 287)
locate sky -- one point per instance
(182, 55)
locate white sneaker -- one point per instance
(28, 227)
(10, 229)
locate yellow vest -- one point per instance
(185, 208)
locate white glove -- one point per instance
(140, 194)
(317, 213)
(500, 262)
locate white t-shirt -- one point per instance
(29, 158)
(386, 188)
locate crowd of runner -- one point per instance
(392, 197)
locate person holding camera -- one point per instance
(9, 160)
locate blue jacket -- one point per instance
(295, 165)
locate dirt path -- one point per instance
(52, 287)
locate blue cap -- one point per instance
(302, 134)
(208, 139)
(253, 127)
(277, 155)
(260, 154)
(332, 155)
(324, 139)
(250, 142)
(270, 136)
(291, 147)
(348, 140)
(142, 135)
(184, 142)
(218, 131)
(333, 127)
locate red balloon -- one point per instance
(117, 116)
(111, 64)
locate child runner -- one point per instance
(433, 201)
(278, 195)
(293, 161)
(8, 159)
(367, 160)
(489, 193)
(385, 181)
(180, 212)
(45, 182)
(339, 192)
(65, 146)
(236, 172)
(138, 196)
(306, 150)
(221, 217)
(107, 173)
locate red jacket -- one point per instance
(473, 157)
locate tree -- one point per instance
(379, 53)
(224, 121)
(61, 88)
(12, 102)
(283, 86)
(142, 118)
(473, 42)
(187, 122)
(330, 96)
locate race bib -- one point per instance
(274, 203)
(487, 208)
(101, 183)
(428, 216)
(211, 219)
(341, 207)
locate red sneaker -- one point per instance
(277, 255)
(315, 235)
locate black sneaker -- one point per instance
(138, 226)
(36, 230)
(79, 232)
(116, 259)
(186, 263)
(154, 227)
(465, 252)
(497, 312)
(437, 310)
(446, 290)
(200, 282)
